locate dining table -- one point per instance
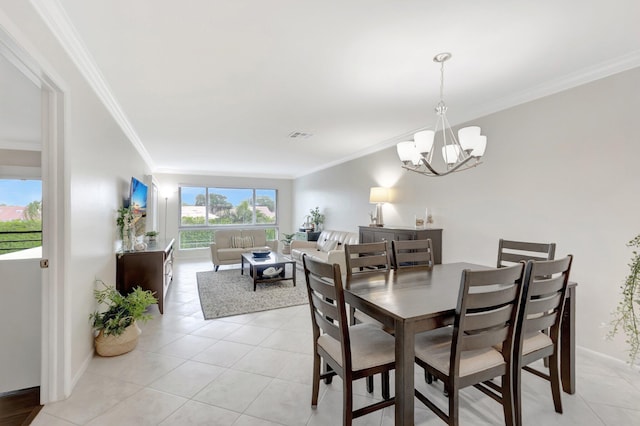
(416, 299)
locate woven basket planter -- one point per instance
(111, 345)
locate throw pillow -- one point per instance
(247, 242)
(238, 241)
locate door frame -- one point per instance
(56, 336)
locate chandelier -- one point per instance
(457, 154)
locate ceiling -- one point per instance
(216, 87)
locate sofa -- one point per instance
(231, 243)
(329, 248)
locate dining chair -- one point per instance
(511, 252)
(351, 352)
(363, 258)
(541, 308)
(465, 354)
(409, 253)
(366, 257)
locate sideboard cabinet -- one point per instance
(373, 234)
(151, 269)
(307, 236)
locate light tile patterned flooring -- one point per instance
(255, 369)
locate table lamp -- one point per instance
(378, 196)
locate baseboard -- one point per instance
(83, 368)
(609, 358)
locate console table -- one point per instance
(374, 234)
(151, 269)
(307, 236)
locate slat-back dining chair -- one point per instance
(465, 354)
(511, 252)
(543, 295)
(363, 258)
(366, 256)
(408, 253)
(352, 352)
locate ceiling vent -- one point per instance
(299, 135)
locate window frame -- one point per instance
(212, 227)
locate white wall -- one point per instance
(169, 184)
(559, 169)
(99, 163)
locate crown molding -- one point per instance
(560, 84)
(60, 25)
(557, 85)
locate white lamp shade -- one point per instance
(379, 194)
(467, 134)
(406, 151)
(424, 141)
(471, 139)
(450, 153)
(480, 145)
(415, 160)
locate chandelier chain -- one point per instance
(441, 103)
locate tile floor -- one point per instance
(255, 369)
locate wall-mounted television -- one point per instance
(138, 197)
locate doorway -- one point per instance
(54, 352)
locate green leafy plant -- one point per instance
(121, 310)
(125, 218)
(627, 314)
(316, 217)
(152, 234)
(287, 238)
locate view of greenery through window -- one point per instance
(202, 209)
(20, 214)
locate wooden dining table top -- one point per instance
(412, 293)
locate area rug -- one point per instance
(226, 292)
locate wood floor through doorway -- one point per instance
(19, 407)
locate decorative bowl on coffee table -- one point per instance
(261, 254)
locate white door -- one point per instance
(20, 274)
(20, 323)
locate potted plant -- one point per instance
(316, 218)
(627, 314)
(151, 235)
(286, 243)
(116, 326)
(125, 222)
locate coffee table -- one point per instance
(275, 260)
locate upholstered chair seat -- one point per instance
(434, 348)
(370, 346)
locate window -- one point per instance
(20, 214)
(204, 209)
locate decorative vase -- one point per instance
(131, 237)
(286, 248)
(112, 345)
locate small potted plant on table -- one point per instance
(151, 235)
(116, 326)
(286, 243)
(317, 218)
